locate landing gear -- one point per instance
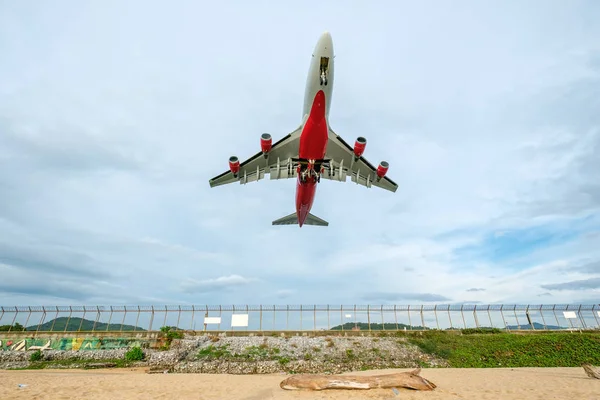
(324, 67)
(308, 173)
(323, 78)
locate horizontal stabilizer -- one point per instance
(292, 219)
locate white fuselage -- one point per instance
(322, 57)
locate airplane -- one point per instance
(312, 151)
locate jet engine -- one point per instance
(359, 147)
(265, 143)
(382, 169)
(234, 165)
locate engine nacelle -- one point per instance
(359, 146)
(382, 169)
(234, 165)
(265, 143)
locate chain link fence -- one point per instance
(274, 318)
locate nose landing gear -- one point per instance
(323, 68)
(323, 78)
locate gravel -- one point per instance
(258, 355)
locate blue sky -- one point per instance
(114, 116)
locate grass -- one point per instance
(211, 352)
(492, 349)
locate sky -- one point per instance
(114, 115)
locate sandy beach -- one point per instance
(477, 384)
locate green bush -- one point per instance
(35, 356)
(134, 354)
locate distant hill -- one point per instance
(74, 322)
(536, 325)
(348, 326)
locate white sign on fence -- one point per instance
(239, 320)
(570, 314)
(348, 315)
(212, 320)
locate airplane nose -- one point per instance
(325, 42)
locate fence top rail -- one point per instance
(301, 307)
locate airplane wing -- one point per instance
(278, 163)
(342, 163)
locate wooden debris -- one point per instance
(592, 372)
(409, 380)
(159, 370)
(99, 365)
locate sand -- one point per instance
(476, 384)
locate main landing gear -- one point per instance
(309, 173)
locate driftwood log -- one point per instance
(409, 380)
(592, 372)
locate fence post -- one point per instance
(581, 318)
(14, 319)
(355, 318)
(529, 318)
(178, 316)
(342, 316)
(232, 312)
(137, 318)
(450, 318)
(436, 317)
(382, 319)
(409, 320)
(220, 316)
(82, 318)
(42, 319)
(165, 320)
(555, 316)
(109, 318)
(69, 319)
(517, 318)
(490, 316)
(28, 316)
(369, 316)
(475, 317)
(193, 328)
(594, 313)
(204, 327)
(123, 320)
(543, 319)
(1, 315)
(422, 318)
(396, 317)
(151, 318)
(503, 319)
(463, 315)
(54, 321)
(97, 318)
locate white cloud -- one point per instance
(208, 285)
(108, 138)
